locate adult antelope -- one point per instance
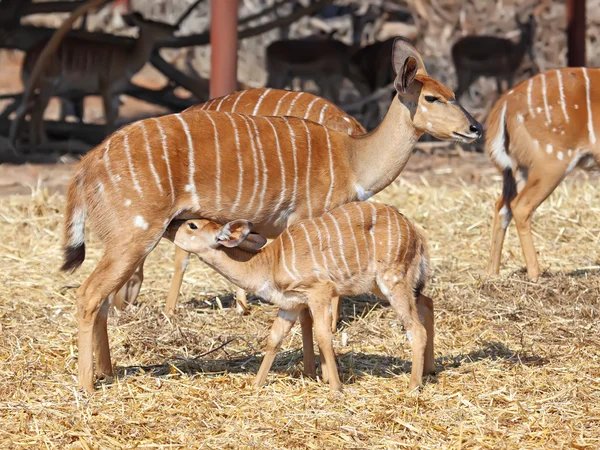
(356, 248)
(491, 56)
(79, 68)
(263, 102)
(272, 171)
(537, 134)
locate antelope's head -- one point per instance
(201, 236)
(432, 105)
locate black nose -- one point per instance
(476, 128)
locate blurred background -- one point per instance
(339, 49)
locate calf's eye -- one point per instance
(193, 226)
(431, 98)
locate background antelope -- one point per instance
(537, 134)
(355, 248)
(263, 102)
(79, 68)
(197, 164)
(491, 56)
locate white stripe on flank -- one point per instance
(279, 102)
(590, 121)
(221, 102)
(150, 161)
(209, 103)
(282, 166)
(114, 179)
(399, 232)
(341, 244)
(407, 237)
(240, 165)
(529, 86)
(330, 245)
(321, 249)
(260, 100)
(191, 186)
(166, 157)
(255, 159)
(294, 268)
(265, 170)
(293, 139)
(310, 105)
(309, 144)
(498, 149)
(351, 227)
(389, 227)
(362, 231)
(237, 100)
(561, 90)
(316, 267)
(321, 115)
(136, 184)
(331, 172)
(546, 110)
(372, 232)
(293, 103)
(285, 266)
(217, 164)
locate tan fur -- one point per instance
(355, 248)
(545, 135)
(263, 102)
(190, 165)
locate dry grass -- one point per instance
(519, 361)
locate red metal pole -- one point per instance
(576, 28)
(224, 43)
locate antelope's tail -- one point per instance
(74, 228)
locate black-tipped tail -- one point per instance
(74, 257)
(509, 187)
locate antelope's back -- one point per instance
(356, 238)
(280, 102)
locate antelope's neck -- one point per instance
(378, 157)
(141, 50)
(248, 270)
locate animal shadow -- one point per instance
(352, 365)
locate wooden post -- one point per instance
(224, 43)
(576, 28)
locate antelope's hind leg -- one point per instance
(115, 267)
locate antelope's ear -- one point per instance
(233, 233)
(254, 242)
(407, 62)
(406, 76)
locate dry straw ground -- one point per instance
(519, 362)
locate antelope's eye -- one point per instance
(431, 98)
(193, 226)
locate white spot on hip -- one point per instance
(520, 118)
(429, 125)
(560, 156)
(549, 148)
(127, 202)
(140, 222)
(576, 106)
